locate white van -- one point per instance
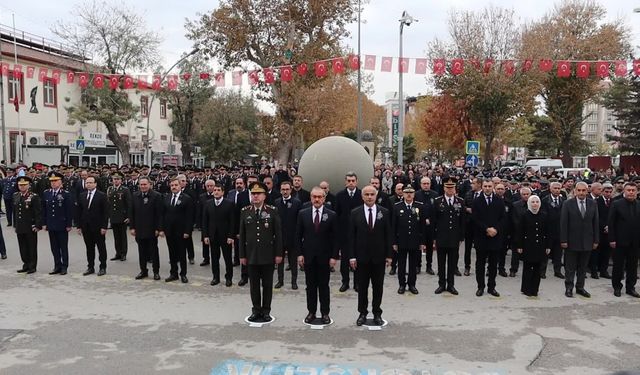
(544, 165)
(566, 172)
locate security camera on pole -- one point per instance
(405, 20)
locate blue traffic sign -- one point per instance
(472, 148)
(472, 160)
(79, 144)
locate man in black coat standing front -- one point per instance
(176, 226)
(317, 246)
(370, 248)
(346, 200)
(93, 220)
(288, 208)
(218, 232)
(144, 225)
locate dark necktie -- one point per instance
(606, 202)
(89, 199)
(370, 218)
(316, 221)
(175, 198)
(582, 208)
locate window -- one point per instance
(15, 87)
(51, 138)
(592, 128)
(49, 92)
(13, 144)
(163, 137)
(163, 108)
(144, 106)
(593, 116)
(591, 137)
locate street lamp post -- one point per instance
(147, 151)
(405, 20)
(359, 126)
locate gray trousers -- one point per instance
(575, 266)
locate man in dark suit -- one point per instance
(599, 260)
(272, 194)
(177, 225)
(260, 249)
(298, 192)
(346, 201)
(57, 217)
(27, 221)
(437, 180)
(317, 245)
(240, 198)
(330, 198)
(579, 234)
(428, 197)
(370, 248)
(144, 224)
(471, 195)
(225, 180)
(202, 202)
(383, 198)
(189, 186)
(288, 208)
(487, 216)
(119, 199)
(93, 220)
(624, 239)
(218, 231)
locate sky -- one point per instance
(379, 29)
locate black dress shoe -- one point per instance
(294, 286)
(479, 292)
(377, 320)
(569, 293)
(310, 318)
(503, 273)
(617, 292)
(184, 279)
(22, 270)
(457, 273)
(512, 274)
(266, 318)
(467, 272)
(413, 290)
(102, 272)
(325, 319)
(54, 272)
(633, 293)
(543, 276)
(89, 271)
(156, 276)
(452, 290)
(278, 285)
(430, 271)
(204, 263)
(171, 278)
(33, 270)
(117, 257)
(605, 275)
(493, 292)
(355, 288)
(418, 270)
(123, 258)
(344, 288)
(439, 290)
(228, 283)
(242, 282)
(559, 275)
(287, 268)
(401, 290)
(191, 261)
(3, 256)
(362, 318)
(392, 272)
(236, 264)
(215, 282)
(594, 275)
(583, 293)
(142, 275)
(63, 272)
(255, 317)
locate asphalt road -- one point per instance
(117, 325)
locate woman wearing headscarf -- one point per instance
(532, 245)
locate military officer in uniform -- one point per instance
(119, 201)
(260, 248)
(8, 190)
(449, 231)
(27, 221)
(57, 217)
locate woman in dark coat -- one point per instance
(532, 245)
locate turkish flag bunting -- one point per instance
(421, 66)
(509, 67)
(114, 82)
(70, 77)
(320, 68)
(636, 67)
(30, 71)
(186, 76)
(17, 70)
(387, 62)
(439, 67)
(302, 69)
(621, 68)
(253, 77)
(475, 63)
(204, 75)
(5, 69)
(488, 65)
(564, 69)
(269, 78)
(583, 69)
(128, 82)
(369, 62)
(55, 75)
(545, 65)
(527, 65)
(42, 74)
(457, 66)
(219, 77)
(354, 62)
(83, 78)
(98, 81)
(172, 82)
(142, 82)
(156, 82)
(337, 65)
(286, 73)
(403, 65)
(236, 77)
(602, 69)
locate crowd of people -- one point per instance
(258, 218)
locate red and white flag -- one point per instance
(564, 69)
(142, 82)
(457, 66)
(219, 77)
(128, 82)
(439, 67)
(320, 68)
(354, 62)
(421, 66)
(337, 65)
(83, 79)
(156, 82)
(205, 75)
(583, 69)
(269, 77)
(636, 67)
(186, 76)
(545, 65)
(5, 69)
(387, 63)
(527, 65)
(114, 82)
(403, 65)
(42, 74)
(286, 73)
(55, 75)
(71, 76)
(30, 71)
(236, 77)
(253, 77)
(370, 62)
(17, 70)
(172, 82)
(621, 68)
(508, 67)
(602, 69)
(488, 65)
(302, 69)
(98, 81)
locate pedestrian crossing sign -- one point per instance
(473, 148)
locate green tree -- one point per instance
(227, 126)
(623, 98)
(409, 149)
(111, 39)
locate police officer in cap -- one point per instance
(260, 248)
(27, 221)
(57, 217)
